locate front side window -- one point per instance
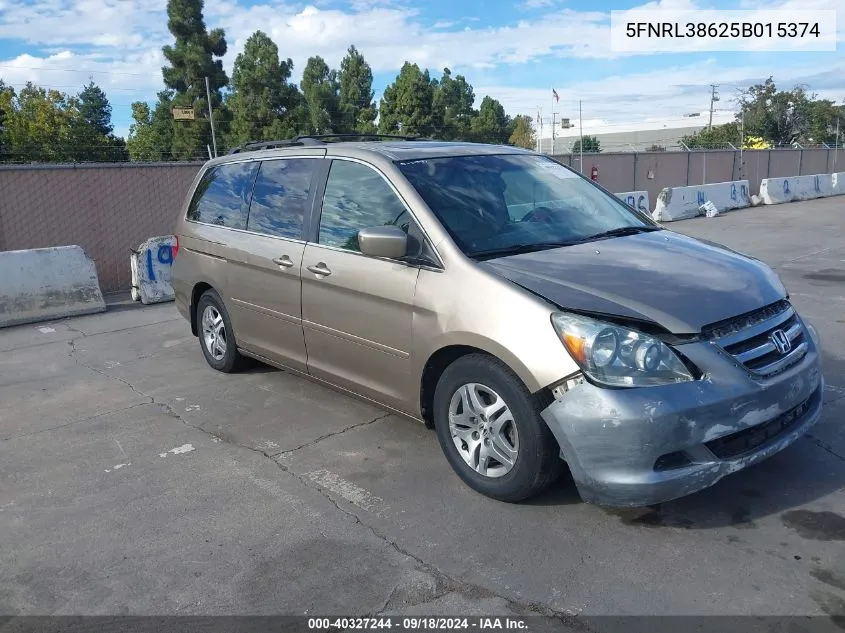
(490, 204)
(222, 197)
(356, 198)
(280, 197)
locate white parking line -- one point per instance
(346, 489)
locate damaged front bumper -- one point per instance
(637, 447)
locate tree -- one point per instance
(717, 137)
(91, 129)
(7, 98)
(523, 133)
(782, 117)
(191, 60)
(591, 145)
(407, 106)
(38, 128)
(456, 98)
(357, 110)
(321, 89)
(823, 117)
(151, 133)
(262, 98)
(491, 124)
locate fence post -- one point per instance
(769, 164)
(634, 188)
(688, 166)
(733, 167)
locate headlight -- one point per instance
(617, 356)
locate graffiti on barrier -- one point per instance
(164, 255)
(151, 266)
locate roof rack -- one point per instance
(315, 139)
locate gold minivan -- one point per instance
(529, 316)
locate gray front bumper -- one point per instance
(611, 438)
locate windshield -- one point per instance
(493, 204)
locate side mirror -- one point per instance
(383, 241)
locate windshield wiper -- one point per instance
(515, 249)
(621, 231)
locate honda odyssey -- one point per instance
(530, 317)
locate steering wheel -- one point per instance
(539, 214)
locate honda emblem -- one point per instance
(781, 341)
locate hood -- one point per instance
(663, 277)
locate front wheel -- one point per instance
(490, 429)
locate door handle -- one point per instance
(320, 269)
(284, 261)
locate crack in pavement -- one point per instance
(357, 425)
(450, 584)
(824, 446)
(72, 422)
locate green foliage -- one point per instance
(191, 59)
(783, 117)
(454, 97)
(407, 106)
(262, 99)
(151, 134)
(717, 137)
(591, 145)
(91, 136)
(491, 124)
(523, 133)
(357, 110)
(40, 125)
(321, 89)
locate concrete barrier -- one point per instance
(681, 203)
(152, 265)
(42, 284)
(636, 199)
(837, 183)
(795, 188)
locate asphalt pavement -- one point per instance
(136, 480)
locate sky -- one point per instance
(516, 51)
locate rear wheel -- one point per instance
(490, 429)
(217, 339)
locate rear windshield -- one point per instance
(493, 202)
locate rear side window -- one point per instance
(222, 197)
(280, 197)
(357, 198)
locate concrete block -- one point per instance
(636, 199)
(152, 265)
(682, 203)
(837, 183)
(42, 284)
(795, 188)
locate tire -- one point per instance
(230, 360)
(536, 463)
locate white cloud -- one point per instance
(118, 42)
(663, 95)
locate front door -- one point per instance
(264, 278)
(357, 310)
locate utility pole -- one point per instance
(211, 117)
(581, 135)
(741, 140)
(713, 99)
(554, 115)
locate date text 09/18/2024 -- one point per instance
(418, 623)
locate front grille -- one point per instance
(754, 437)
(749, 338)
